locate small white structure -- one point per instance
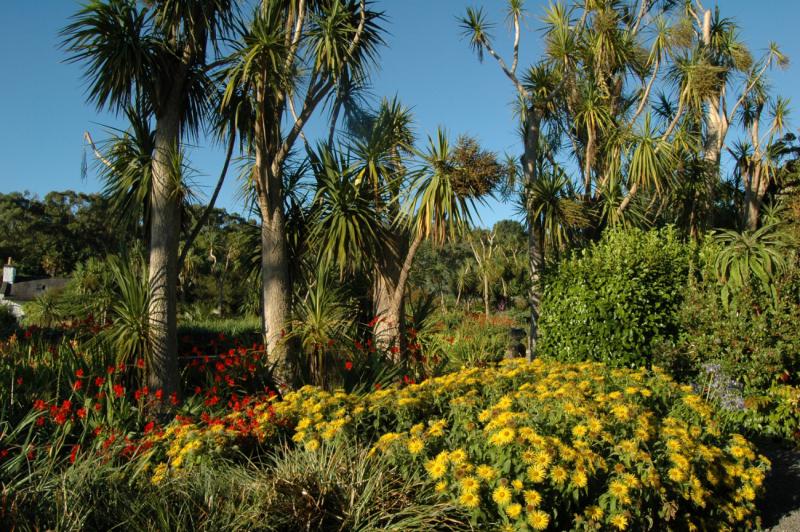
(9, 273)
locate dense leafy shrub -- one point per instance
(750, 336)
(612, 300)
(536, 445)
(8, 321)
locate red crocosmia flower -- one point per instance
(374, 321)
(149, 427)
(348, 365)
(77, 385)
(198, 390)
(39, 422)
(19, 381)
(140, 363)
(98, 407)
(60, 418)
(99, 381)
(119, 390)
(173, 398)
(79, 372)
(138, 394)
(66, 405)
(74, 454)
(110, 369)
(81, 412)
(96, 432)
(394, 349)
(359, 346)
(159, 394)
(39, 405)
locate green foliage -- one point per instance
(611, 301)
(8, 321)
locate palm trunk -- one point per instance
(533, 121)
(398, 297)
(163, 259)
(716, 123)
(275, 286)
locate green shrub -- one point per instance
(8, 322)
(614, 299)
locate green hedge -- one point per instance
(614, 299)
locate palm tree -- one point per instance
(156, 57)
(293, 56)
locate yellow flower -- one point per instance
(486, 472)
(619, 521)
(538, 519)
(415, 446)
(459, 456)
(441, 486)
(579, 479)
(502, 437)
(312, 445)
(579, 431)
(559, 475)
(618, 489)
(469, 499)
(513, 510)
(159, 473)
(532, 498)
(435, 468)
(502, 496)
(469, 483)
(676, 475)
(536, 473)
(595, 513)
(516, 484)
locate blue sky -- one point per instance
(43, 111)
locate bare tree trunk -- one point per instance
(398, 298)
(533, 121)
(163, 259)
(486, 295)
(716, 123)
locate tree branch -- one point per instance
(210, 207)
(97, 152)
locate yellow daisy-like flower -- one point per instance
(538, 520)
(415, 446)
(618, 489)
(536, 473)
(579, 479)
(559, 475)
(517, 484)
(469, 499)
(513, 510)
(502, 496)
(457, 457)
(502, 437)
(440, 486)
(312, 445)
(579, 431)
(469, 483)
(435, 468)
(486, 472)
(676, 475)
(532, 498)
(619, 521)
(595, 513)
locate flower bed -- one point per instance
(522, 445)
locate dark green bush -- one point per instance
(613, 300)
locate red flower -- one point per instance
(358, 345)
(159, 394)
(77, 385)
(173, 398)
(99, 381)
(98, 407)
(140, 363)
(74, 454)
(110, 369)
(119, 390)
(198, 390)
(39, 405)
(377, 386)
(348, 365)
(19, 381)
(40, 422)
(81, 412)
(394, 349)
(79, 373)
(149, 427)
